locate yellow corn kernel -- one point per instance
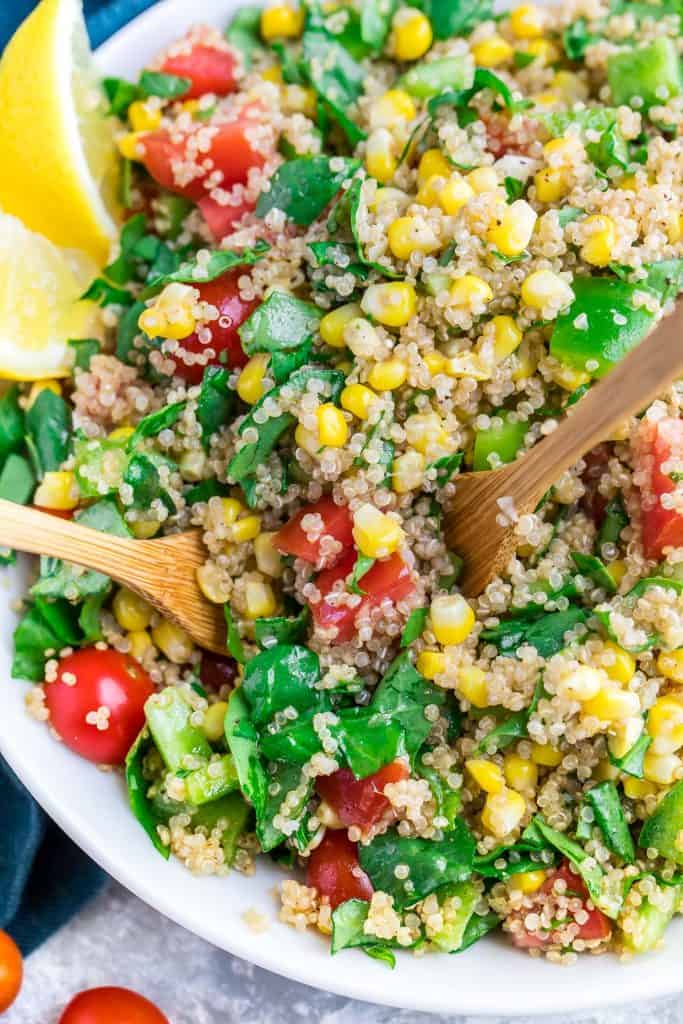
(376, 534)
(570, 86)
(544, 287)
(156, 324)
(483, 179)
(131, 612)
(512, 233)
(673, 228)
(455, 194)
(388, 375)
(57, 490)
(546, 755)
(551, 184)
(507, 337)
(121, 434)
(428, 194)
(430, 664)
(520, 772)
(390, 304)
(605, 771)
(212, 584)
(525, 362)
(244, 529)
(568, 377)
(259, 599)
(618, 664)
(143, 529)
(629, 183)
(191, 107)
(638, 789)
(486, 774)
(231, 508)
(599, 246)
(213, 725)
(173, 642)
(433, 164)
(379, 156)
(281, 22)
(661, 769)
(670, 665)
(250, 381)
(612, 704)
(332, 324)
(425, 433)
(412, 34)
(407, 472)
(470, 292)
(42, 385)
(407, 235)
(545, 99)
(624, 734)
(471, 684)
(384, 196)
(544, 50)
(140, 641)
(358, 400)
(617, 568)
(435, 362)
(143, 117)
(560, 151)
(394, 106)
(492, 52)
(503, 812)
(527, 21)
(307, 439)
(582, 684)
(300, 100)
(468, 364)
(129, 145)
(451, 618)
(665, 724)
(527, 882)
(333, 430)
(268, 558)
(273, 74)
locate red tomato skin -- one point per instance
(111, 1005)
(389, 578)
(229, 152)
(209, 70)
(224, 294)
(655, 444)
(103, 678)
(337, 523)
(221, 220)
(596, 927)
(11, 971)
(360, 801)
(333, 870)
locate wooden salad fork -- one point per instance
(472, 524)
(162, 571)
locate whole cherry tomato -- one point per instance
(97, 703)
(11, 971)
(109, 1005)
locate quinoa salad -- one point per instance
(367, 247)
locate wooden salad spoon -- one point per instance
(471, 523)
(162, 571)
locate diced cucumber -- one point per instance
(647, 923)
(429, 79)
(652, 73)
(503, 441)
(663, 828)
(211, 781)
(168, 716)
(456, 910)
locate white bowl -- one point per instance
(91, 806)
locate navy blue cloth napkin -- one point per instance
(44, 877)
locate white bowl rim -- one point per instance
(489, 979)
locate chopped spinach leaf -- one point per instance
(414, 627)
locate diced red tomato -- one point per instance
(91, 681)
(221, 220)
(208, 68)
(333, 870)
(389, 578)
(180, 162)
(501, 139)
(337, 523)
(360, 801)
(655, 445)
(225, 341)
(596, 927)
(593, 502)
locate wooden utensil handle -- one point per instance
(39, 533)
(636, 381)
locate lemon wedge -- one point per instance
(40, 286)
(59, 167)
